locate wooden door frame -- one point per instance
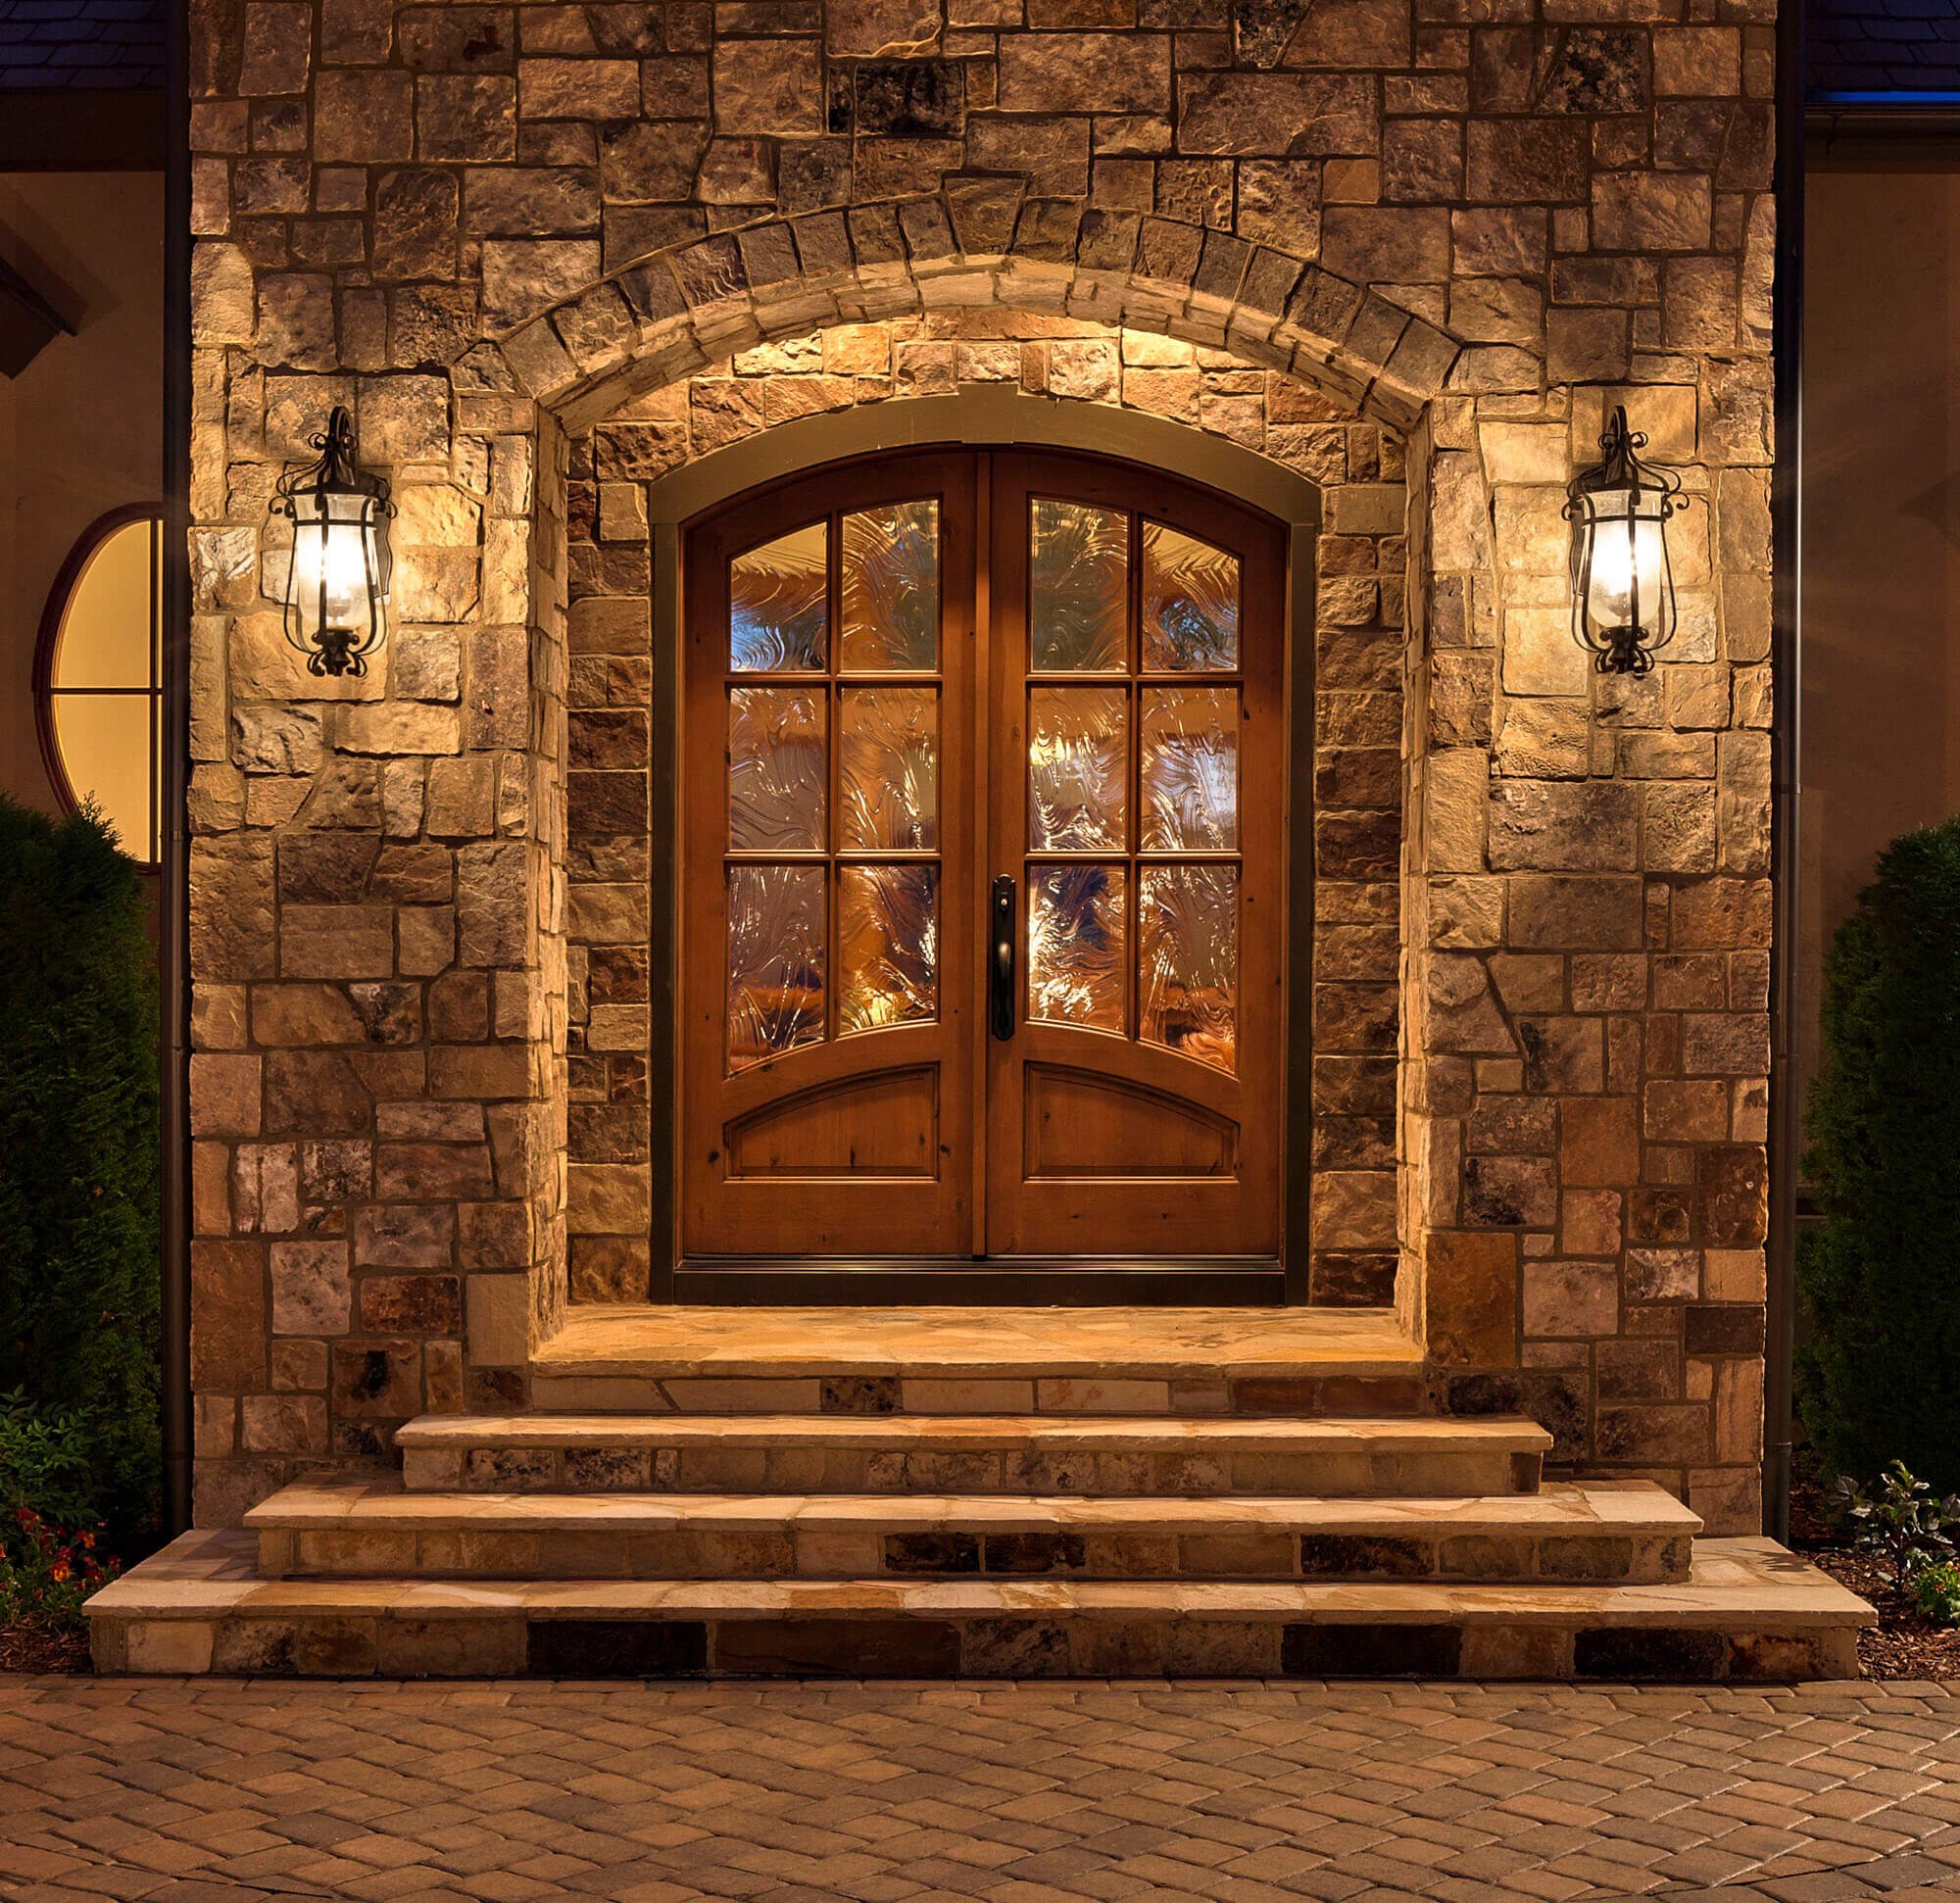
(976, 418)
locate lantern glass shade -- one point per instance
(336, 610)
(1623, 608)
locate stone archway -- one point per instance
(602, 348)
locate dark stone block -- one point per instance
(1351, 1282)
(911, 99)
(608, 1133)
(1650, 1652)
(1734, 1182)
(1557, 1403)
(1036, 1552)
(1344, 1555)
(1015, 1648)
(932, 1552)
(1371, 1394)
(1597, 71)
(838, 1648)
(860, 1394)
(1371, 1651)
(326, 867)
(1723, 1328)
(1573, 1558)
(616, 1648)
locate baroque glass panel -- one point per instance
(888, 769)
(1078, 587)
(776, 775)
(1189, 603)
(1190, 745)
(1076, 961)
(775, 961)
(1078, 768)
(1187, 960)
(886, 944)
(891, 589)
(777, 603)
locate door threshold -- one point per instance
(1210, 1281)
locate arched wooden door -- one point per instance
(982, 851)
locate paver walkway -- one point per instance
(211, 1792)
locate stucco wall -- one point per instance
(82, 427)
(1882, 527)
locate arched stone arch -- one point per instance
(986, 244)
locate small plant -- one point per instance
(45, 1573)
(1937, 1593)
(44, 1463)
(1904, 1523)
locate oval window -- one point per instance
(97, 690)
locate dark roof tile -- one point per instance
(81, 43)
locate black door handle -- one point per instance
(1001, 960)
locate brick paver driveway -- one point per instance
(1364, 1792)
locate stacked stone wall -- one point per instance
(480, 224)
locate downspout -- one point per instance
(173, 936)
(1785, 741)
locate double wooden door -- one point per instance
(982, 838)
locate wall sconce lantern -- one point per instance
(1622, 585)
(337, 587)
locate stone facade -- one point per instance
(507, 236)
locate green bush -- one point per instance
(1878, 1378)
(80, 1168)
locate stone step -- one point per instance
(1005, 1453)
(1749, 1611)
(1198, 1361)
(1604, 1532)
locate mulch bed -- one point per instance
(25, 1649)
(1904, 1644)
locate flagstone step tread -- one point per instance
(363, 1503)
(1748, 1611)
(1199, 1344)
(1627, 1530)
(987, 1433)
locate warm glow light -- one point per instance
(337, 586)
(1623, 608)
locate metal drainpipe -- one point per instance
(174, 934)
(1786, 746)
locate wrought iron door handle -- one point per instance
(1001, 960)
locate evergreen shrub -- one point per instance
(1879, 1377)
(79, 1167)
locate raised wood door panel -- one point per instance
(1136, 766)
(827, 820)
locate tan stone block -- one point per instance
(609, 1199)
(1571, 1298)
(1470, 1295)
(337, 941)
(1600, 1141)
(1734, 1275)
(1541, 657)
(390, 727)
(1526, 453)
(1679, 1110)
(1457, 786)
(224, 1096)
(310, 1289)
(175, 1646)
(1590, 1222)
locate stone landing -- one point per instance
(1010, 1493)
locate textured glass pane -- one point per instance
(105, 741)
(775, 961)
(106, 629)
(886, 944)
(888, 774)
(1191, 769)
(1187, 960)
(776, 604)
(1075, 944)
(891, 589)
(775, 769)
(1078, 768)
(1191, 601)
(1078, 587)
